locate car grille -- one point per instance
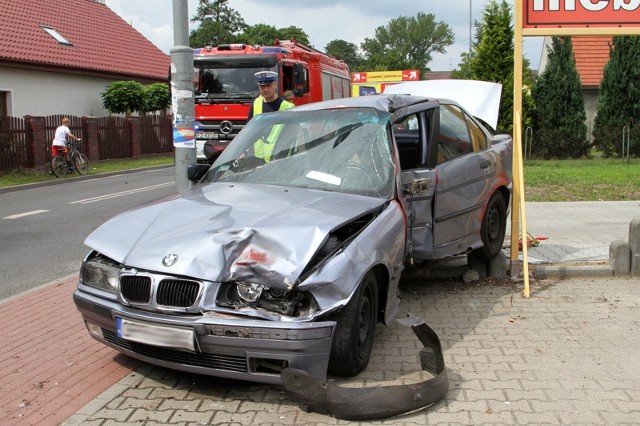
(136, 289)
(172, 293)
(177, 293)
(205, 360)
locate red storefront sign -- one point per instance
(581, 13)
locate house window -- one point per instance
(4, 104)
(55, 34)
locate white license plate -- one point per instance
(206, 135)
(156, 335)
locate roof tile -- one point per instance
(101, 41)
(592, 54)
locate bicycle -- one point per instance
(78, 161)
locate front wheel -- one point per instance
(494, 225)
(59, 166)
(81, 163)
(355, 330)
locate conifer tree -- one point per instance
(560, 128)
(491, 59)
(619, 99)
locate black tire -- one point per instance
(81, 163)
(494, 226)
(59, 166)
(355, 330)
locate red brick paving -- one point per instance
(49, 366)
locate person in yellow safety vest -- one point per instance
(268, 101)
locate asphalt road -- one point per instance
(42, 229)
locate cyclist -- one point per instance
(59, 146)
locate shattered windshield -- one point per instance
(333, 150)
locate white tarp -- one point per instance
(480, 98)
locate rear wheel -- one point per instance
(494, 225)
(59, 166)
(355, 330)
(81, 163)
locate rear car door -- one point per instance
(464, 169)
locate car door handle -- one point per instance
(485, 164)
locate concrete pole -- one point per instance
(182, 105)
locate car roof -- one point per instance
(387, 103)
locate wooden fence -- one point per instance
(26, 142)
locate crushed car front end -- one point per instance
(156, 326)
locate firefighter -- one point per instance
(268, 101)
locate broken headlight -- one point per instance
(100, 272)
(249, 292)
(291, 303)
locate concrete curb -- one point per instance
(573, 270)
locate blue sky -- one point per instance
(350, 20)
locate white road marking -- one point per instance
(120, 194)
(19, 215)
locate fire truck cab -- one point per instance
(225, 85)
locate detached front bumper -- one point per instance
(223, 345)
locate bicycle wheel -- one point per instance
(81, 163)
(59, 166)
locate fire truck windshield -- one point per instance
(229, 79)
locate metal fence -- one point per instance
(613, 142)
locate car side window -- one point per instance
(478, 137)
(407, 136)
(454, 139)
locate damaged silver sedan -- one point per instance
(288, 251)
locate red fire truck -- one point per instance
(225, 85)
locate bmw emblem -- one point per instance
(170, 259)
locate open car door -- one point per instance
(412, 131)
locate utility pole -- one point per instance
(182, 105)
(470, 28)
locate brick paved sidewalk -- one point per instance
(49, 366)
(569, 354)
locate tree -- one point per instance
(493, 56)
(619, 98)
(123, 97)
(218, 24)
(265, 35)
(156, 97)
(345, 51)
(560, 117)
(407, 43)
(492, 60)
(296, 33)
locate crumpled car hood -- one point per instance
(222, 232)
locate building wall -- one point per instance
(41, 93)
(591, 107)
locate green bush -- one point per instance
(123, 97)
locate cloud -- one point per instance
(350, 20)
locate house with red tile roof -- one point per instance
(58, 56)
(591, 54)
